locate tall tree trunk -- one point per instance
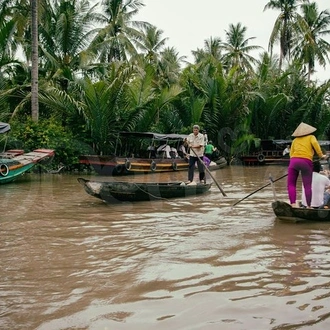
(34, 72)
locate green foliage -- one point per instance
(48, 134)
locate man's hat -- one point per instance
(303, 129)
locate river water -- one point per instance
(70, 261)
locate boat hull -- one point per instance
(116, 166)
(134, 191)
(14, 164)
(286, 212)
(112, 165)
(262, 159)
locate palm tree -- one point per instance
(8, 44)
(165, 62)
(236, 49)
(103, 105)
(169, 67)
(284, 26)
(65, 37)
(34, 71)
(151, 43)
(115, 40)
(310, 45)
(212, 47)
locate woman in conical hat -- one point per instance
(301, 160)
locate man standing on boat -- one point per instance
(196, 144)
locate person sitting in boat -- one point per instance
(164, 149)
(174, 153)
(320, 183)
(152, 151)
(209, 150)
(183, 152)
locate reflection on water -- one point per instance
(70, 261)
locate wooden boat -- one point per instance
(13, 163)
(137, 191)
(286, 212)
(271, 152)
(268, 152)
(133, 157)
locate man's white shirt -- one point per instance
(319, 184)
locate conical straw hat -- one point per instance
(303, 129)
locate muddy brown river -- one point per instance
(70, 261)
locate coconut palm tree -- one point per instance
(212, 47)
(151, 43)
(284, 27)
(7, 47)
(34, 71)
(116, 38)
(165, 61)
(236, 49)
(65, 37)
(15, 27)
(169, 67)
(310, 44)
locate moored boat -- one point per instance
(286, 212)
(14, 163)
(268, 152)
(140, 191)
(271, 152)
(138, 153)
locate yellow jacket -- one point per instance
(304, 147)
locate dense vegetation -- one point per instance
(94, 71)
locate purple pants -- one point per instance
(305, 166)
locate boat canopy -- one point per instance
(4, 127)
(322, 143)
(282, 142)
(154, 136)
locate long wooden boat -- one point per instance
(133, 157)
(286, 212)
(268, 152)
(111, 192)
(13, 163)
(271, 152)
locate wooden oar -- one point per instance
(208, 171)
(266, 185)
